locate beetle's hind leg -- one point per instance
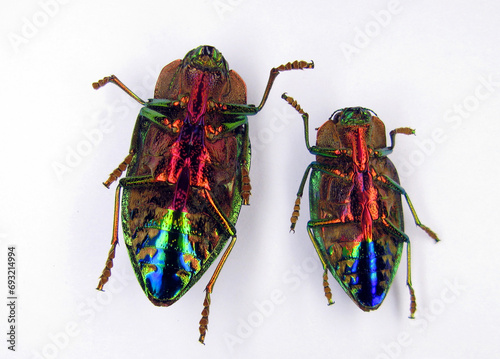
(106, 273)
(231, 231)
(403, 237)
(326, 285)
(413, 299)
(209, 288)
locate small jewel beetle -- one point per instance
(187, 175)
(356, 221)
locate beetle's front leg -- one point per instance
(305, 117)
(113, 79)
(315, 150)
(388, 150)
(296, 65)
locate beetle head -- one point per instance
(354, 126)
(206, 58)
(352, 116)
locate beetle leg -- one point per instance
(209, 288)
(300, 192)
(395, 186)
(244, 109)
(245, 186)
(405, 238)
(413, 299)
(388, 150)
(326, 286)
(114, 79)
(106, 273)
(305, 117)
(327, 152)
(113, 176)
(296, 65)
(245, 169)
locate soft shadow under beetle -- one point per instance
(356, 221)
(187, 175)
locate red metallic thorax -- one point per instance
(197, 105)
(189, 156)
(364, 191)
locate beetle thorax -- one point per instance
(355, 138)
(197, 105)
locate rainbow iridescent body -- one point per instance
(357, 224)
(187, 175)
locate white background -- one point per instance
(428, 65)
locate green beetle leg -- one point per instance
(300, 192)
(389, 182)
(209, 288)
(382, 152)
